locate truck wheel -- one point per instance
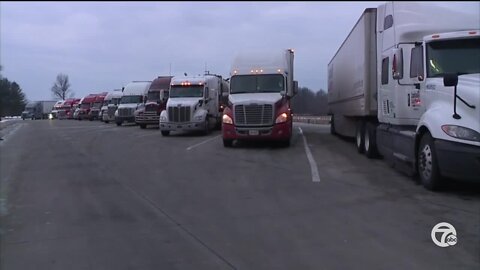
(332, 126)
(427, 163)
(206, 127)
(106, 121)
(359, 137)
(118, 123)
(165, 132)
(370, 140)
(143, 126)
(23, 118)
(227, 143)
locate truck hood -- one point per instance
(249, 98)
(172, 102)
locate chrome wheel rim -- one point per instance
(425, 162)
(367, 141)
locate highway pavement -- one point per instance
(89, 195)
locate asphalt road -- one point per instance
(89, 195)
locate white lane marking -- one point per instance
(200, 143)
(313, 164)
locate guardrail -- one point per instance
(324, 119)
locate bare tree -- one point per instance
(61, 87)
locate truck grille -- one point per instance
(125, 112)
(151, 107)
(179, 114)
(111, 111)
(253, 115)
(150, 113)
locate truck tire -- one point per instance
(332, 126)
(206, 128)
(360, 137)
(106, 121)
(227, 143)
(427, 163)
(165, 132)
(370, 140)
(143, 126)
(118, 123)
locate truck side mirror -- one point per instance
(295, 87)
(225, 94)
(397, 64)
(450, 79)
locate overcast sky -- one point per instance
(103, 46)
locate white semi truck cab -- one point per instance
(133, 97)
(416, 88)
(193, 103)
(261, 86)
(110, 104)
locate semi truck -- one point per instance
(405, 84)
(157, 97)
(85, 106)
(261, 86)
(133, 96)
(38, 109)
(56, 107)
(193, 104)
(110, 104)
(66, 110)
(96, 106)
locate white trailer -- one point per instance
(193, 104)
(133, 96)
(405, 83)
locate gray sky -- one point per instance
(103, 46)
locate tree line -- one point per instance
(12, 99)
(309, 102)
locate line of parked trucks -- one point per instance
(404, 83)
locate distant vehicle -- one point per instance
(56, 107)
(65, 111)
(94, 113)
(261, 86)
(133, 96)
(85, 106)
(193, 104)
(38, 109)
(405, 83)
(157, 97)
(110, 104)
(30, 110)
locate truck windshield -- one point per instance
(97, 105)
(186, 91)
(131, 99)
(115, 101)
(256, 83)
(153, 96)
(460, 56)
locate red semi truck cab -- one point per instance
(157, 97)
(261, 86)
(85, 106)
(96, 106)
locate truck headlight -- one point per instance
(116, 113)
(283, 117)
(227, 119)
(50, 116)
(163, 118)
(198, 118)
(461, 133)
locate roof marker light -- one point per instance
(435, 36)
(472, 32)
